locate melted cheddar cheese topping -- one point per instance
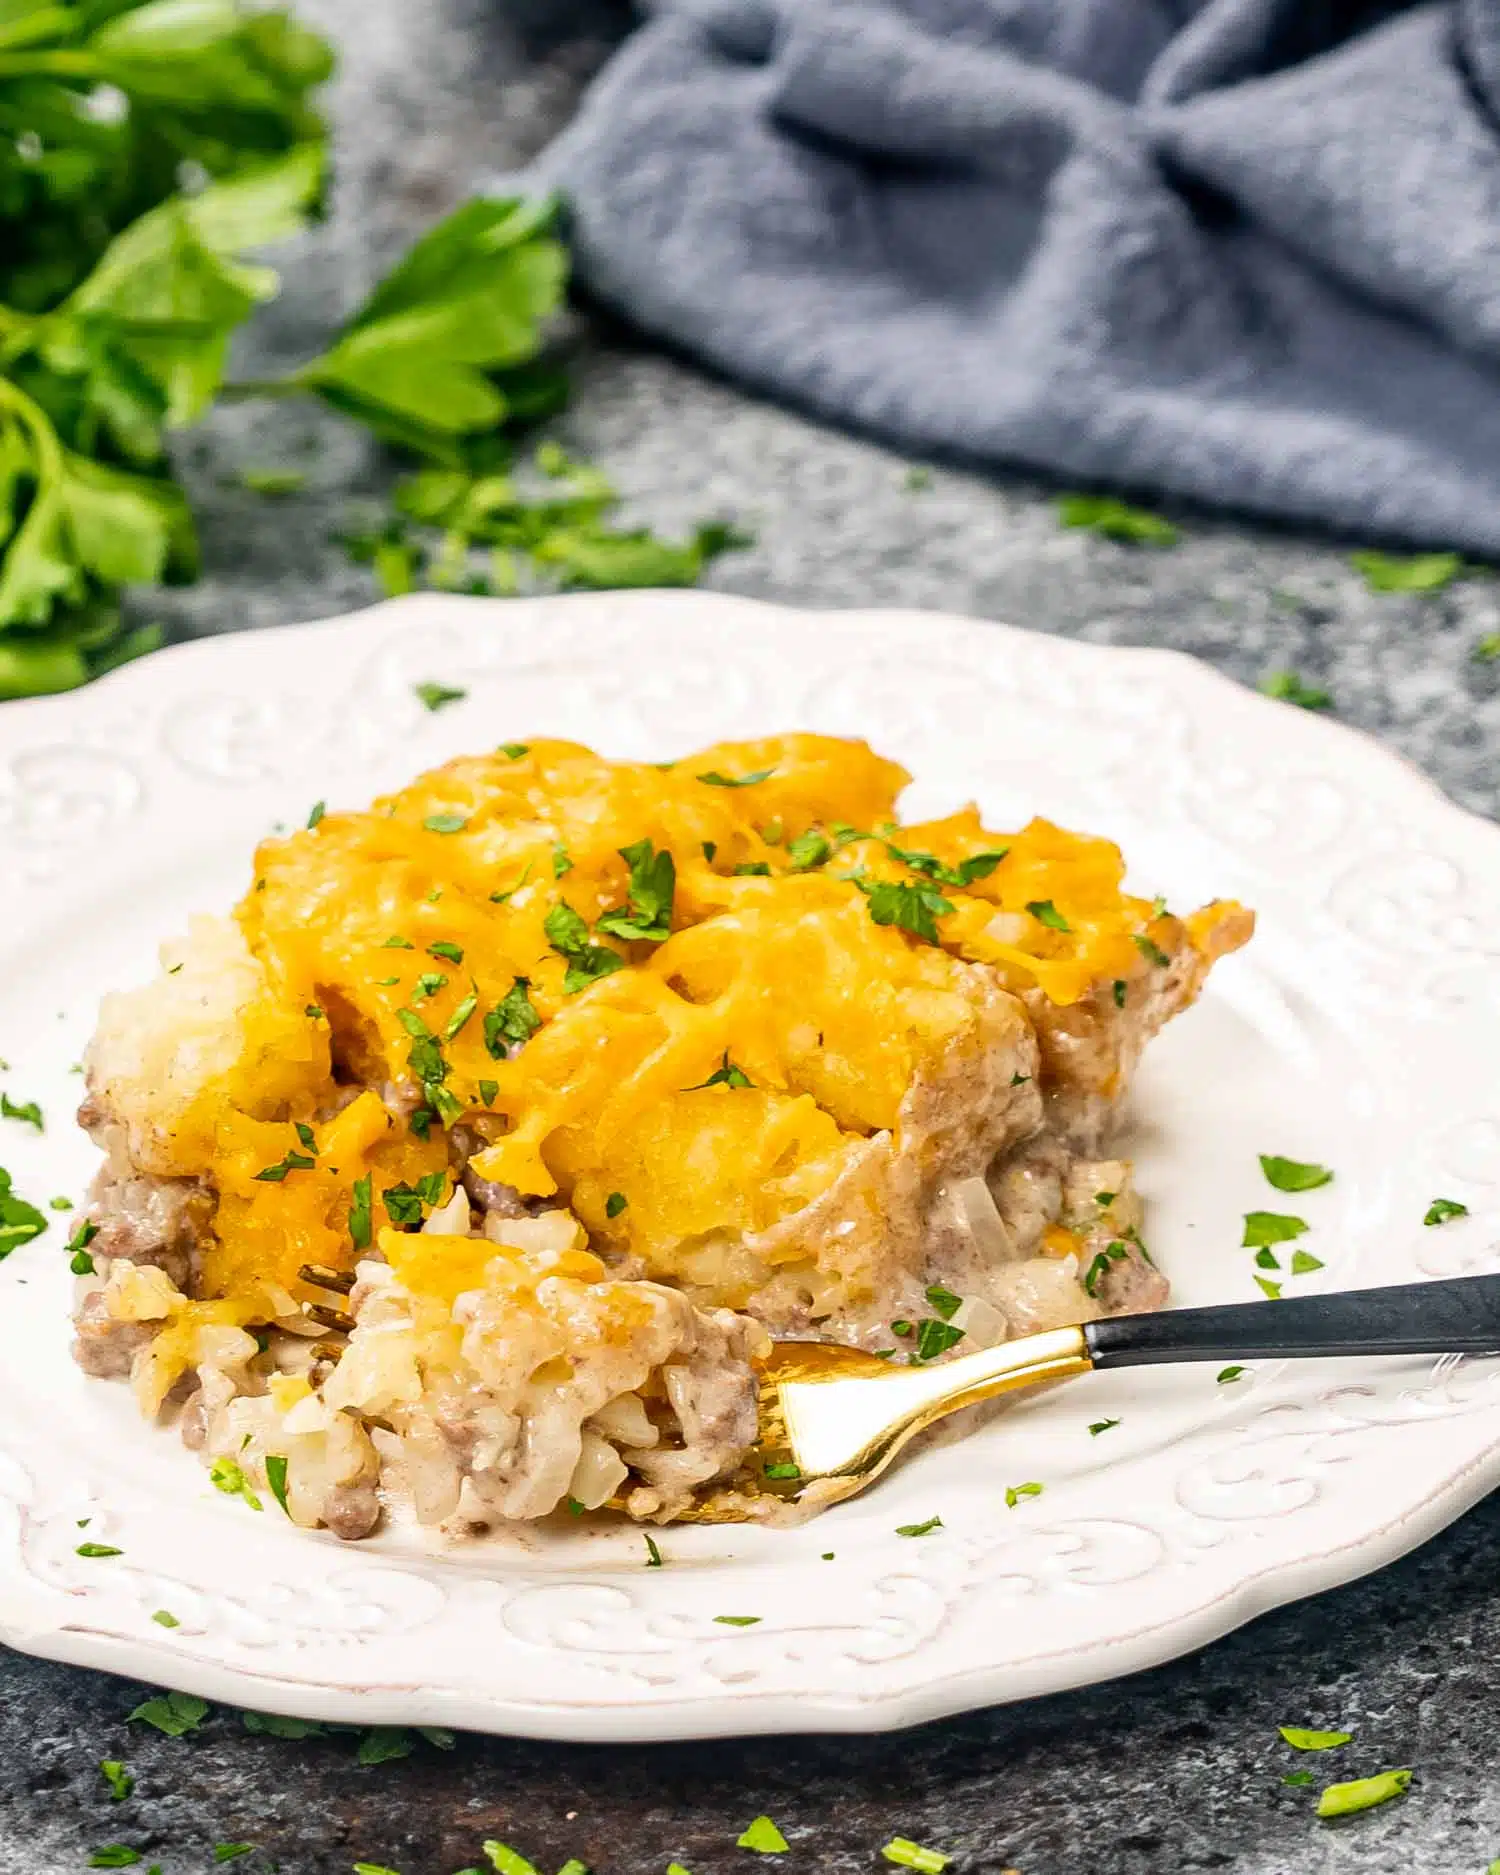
(687, 1050)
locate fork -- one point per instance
(833, 1418)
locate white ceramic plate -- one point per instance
(1361, 1029)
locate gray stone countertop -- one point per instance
(1176, 1770)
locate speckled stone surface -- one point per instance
(1179, 1770)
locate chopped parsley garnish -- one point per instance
(907, 1854)
(808, 850)
(569, 936)
(1015, 1492)
(725, 1075)
(19, 1221)
(654, 1558)
(1293, 1174)
(935, 1338)
(79, 1260)
(1111, 1253)
(232, 1851)
(1102, 1425)
(1304, 1263)
(505, 1861)
(305, 1133)
(504, 898)
(574, 1508)
(783, 1469)
(225, 1475)
(430, 982)
(561, 863)
(1226, 1374)
(1268, 1227)
(292, 1162)
(1104, 1199)
(1441, 1209)
(92, 1551)
(115, 1855)
(515, 750)
(1487, 649)
(446, 823)
(435, 697)
(1019, 1080)
(1301, 1740)
(710, 847)
(1267, 1260)
(1290, 687)
(164, 1618)
(615, 1203)
(913, 908)
(120, 1782)
(314, 819)
(1299, 1778)
(1045, 912)
(489, 1092)
(273, 1725)
(762, 1835)
(1362, 1793)
(1119, 992)
(977, 866)
(461, 1013)
(450, 953)
(512, 1020)
(1117, 520)
(397, 944)
(360, 1219)
(26, 1110)
(1150, 950)
(753, 869)
(404, 1204)
(425, 1059)
(716, 780)
(943, 1302)
(919, 1529)
(314, 1013)
(737, 1621)
(276, 1479)
(1407, 572)
(653, 885)
(1272, 1291)
(173, 1713)
(59, 1204)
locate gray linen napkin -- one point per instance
(1244, 251)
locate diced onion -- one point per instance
(979, 1214)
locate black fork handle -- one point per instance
(1460, 1315)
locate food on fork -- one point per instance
(469, 1166)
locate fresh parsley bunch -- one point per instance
(147, 148)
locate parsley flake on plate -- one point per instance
(808, 850)
(615, 1203)
(715, 780)
(291, 1162)
(93, 1551)
(919, 1529)
(654, 1557)
(1270, 1227)
(934, 1338)
(119, 1780)
(26, 1110)
(1304, 1263)
(737, 1621)
(1293, 1174)
(977, 866)
(1102, 1425)
(315, 814)
(1228, 1374)
(782, 1469)
(1362, 1793)
(176, 1714)
(164, 1618)
(1271, 1291)
(19, 1221)
(1300, 1739)
(276, 1479)
(449, 952)
(561, 862)
(1288, 687)
(1045, 912)
(1015, 1492)
(435, 697)
(763, 1836)
(1442, 1209)
(515, 750)
(1117, 520)
(907, 1854)
(912, 908)
(226, 1475)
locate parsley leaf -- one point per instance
(226, 1475)
(943, 1302)
(115, 1855)
(1015, 1492)
(725, 1075)
(1301, 1740)
(435, 697)
(20, 1221)
(977, 866)
(738, 1621)
(1115, 1252)
(95, 1551)
(1442, 1209)
(1117, 520)
(26, 1110)
(1288, 687)
(1362, 1793)
(808, 850)
(119, 1780)
(173, 1713)
(1416, 572)
(1045, 912)
(1227, 1374)
(615, 1203)
(360, 1214)
(654, 1557)
(763, 1836)
(935, 1338)
(913, 908)
(568, 935)
(907, 1854)
(290, 1162)
(1293, 1174)
(513, 1020)
(1270, 1227)
(232, 1851)
(1304, 1263)
(716, 780)
(1150, 950)
(1102, 1425)
(653, 885)
(451, 953)
(919, 1529)
(561, 863)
